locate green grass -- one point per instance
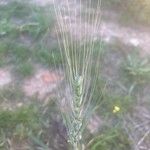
(111, 139)
(25, 69)
(15, 8)
(19, 124)
(33, 124)
(40, 22)
(50, 57)
(26, 116)
(45, 138)
(8, 14)
(44, 18)
(3, 53)
(11, 93)
(17, 19)
(22, 56)
(19, 53)
(13, 53)
(6, 27)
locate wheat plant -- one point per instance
(77, 29)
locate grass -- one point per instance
(25, 69)
(25, 116)
(19, 19)
(11, 93)
(52, 129)
(15, 8)
(3, 54)
(18, 125)
(13, 51)
(111, 139)
(6, 27)
(8, 13)
(19, 53)
(33, 124)
(40, 22)
(49, 57)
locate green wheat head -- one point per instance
(80, 63)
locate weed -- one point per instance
(137, 68)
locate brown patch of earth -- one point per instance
(3, 2)
(21, 145)
(42, 2)
(129, 36)
(10, 105)
(94, 124)
(5, 77)
(42, 83)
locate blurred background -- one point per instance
(30, 81)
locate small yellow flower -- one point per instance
(116, 109)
